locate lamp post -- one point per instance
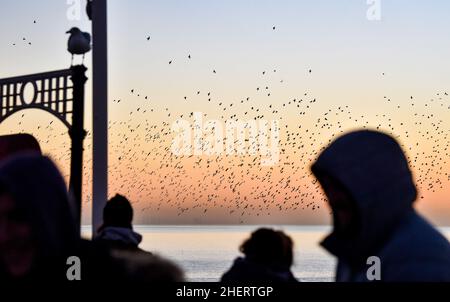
(99, 111)
(77, 135)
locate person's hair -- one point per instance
(143, 267)
(269, 247)
(118, 212)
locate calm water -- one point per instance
(205, 252)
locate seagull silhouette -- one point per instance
(79, 42)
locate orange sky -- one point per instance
(363, 74)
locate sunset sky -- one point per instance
(323, 70)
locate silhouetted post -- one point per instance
(77, 135)
(99, 112)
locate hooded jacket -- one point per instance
(372, 168)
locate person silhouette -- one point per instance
(370, 189)
(118, 237)
(142, 267)
(38, 232)
(268, 258)
(117, 230)
(15, 144)
(37, 226)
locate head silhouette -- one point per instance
(13, 145)
(118, 212)
(142, 267)
(369, 186)
(270, 248)
(37, 226)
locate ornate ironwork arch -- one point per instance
(61, 93)
(51, 91)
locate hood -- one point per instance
(124, 236)
(372, 168)
(40, 192)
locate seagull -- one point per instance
(79, 42)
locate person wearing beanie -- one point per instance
(117, 229)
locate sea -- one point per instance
(205, 252)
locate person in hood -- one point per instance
(117, 230)
(37, 226)
(268, 258)
(370, 189)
